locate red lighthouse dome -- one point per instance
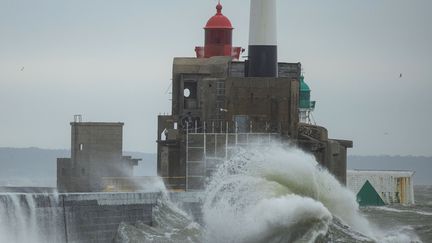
(218, 21)
(218, 37)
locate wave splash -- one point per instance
(272, 194)
(169, 224)
(269, 194)
(22, 220)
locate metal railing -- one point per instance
(197, 126)
(205, 148)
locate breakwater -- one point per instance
(80, 217)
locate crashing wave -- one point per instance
(267, 194)
(169, 224)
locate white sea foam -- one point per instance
(266, 194)
(401, 234)
(169, 224)
(269, 194)
(22, 221)
(403, 211)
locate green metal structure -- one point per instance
(368, 196)
(305, 102)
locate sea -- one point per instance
(415, 219)
(262, 194)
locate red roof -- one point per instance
(219, 21)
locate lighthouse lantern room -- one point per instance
(218, 37)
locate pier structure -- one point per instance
(87, 217)
(217, 99)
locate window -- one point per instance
(186, 92)
(190, 95)
(220, 88)
(190, 89)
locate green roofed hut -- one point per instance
(368, 196)
(392, 187)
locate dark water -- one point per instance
(416, 218)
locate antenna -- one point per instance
(302, 72)
(77, 118)
(169, 86)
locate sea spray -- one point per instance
(245, 202)
(170, 224)
(30, 218)
(267, 194)
(278, 194)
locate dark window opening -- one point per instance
(192, 87)
(190, 95)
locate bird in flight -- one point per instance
(400, 75)
(22, 69)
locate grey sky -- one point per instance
(111, 60)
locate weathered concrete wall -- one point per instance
(195, 69)
(272, 101)
(93, 217)
(96, 152)
(330, 153)
(96, 217)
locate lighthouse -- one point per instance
(221, 104)
(218, 37)
(262, 57)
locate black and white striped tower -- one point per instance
(262, 60)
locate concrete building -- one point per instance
(96, 154)
(219, 103)
(391, 186)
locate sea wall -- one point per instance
(82, 217)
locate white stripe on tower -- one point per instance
(262, 61)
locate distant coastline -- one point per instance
(37, 167)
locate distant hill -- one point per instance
(37, 167)
(420, 164)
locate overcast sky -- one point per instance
(111, 60)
